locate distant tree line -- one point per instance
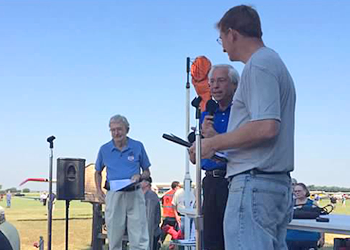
(13, 190)
(332, 189)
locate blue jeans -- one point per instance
(259, 208)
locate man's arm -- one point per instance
(177, 216)
(146, 173)
(98, 182)
(144, 164)
(174, 203)
(249, 135)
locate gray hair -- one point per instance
(232, 72)
(119, 119)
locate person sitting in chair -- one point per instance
(303, 240)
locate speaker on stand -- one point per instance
(70, 183)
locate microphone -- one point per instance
(211, 106)
(50, 139)
(191, 137)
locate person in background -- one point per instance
(178, 203)
(8, 199)
(294, 182)
(43, 198)
(343, 198)
(153, 213)
(317, 199)
(168, 210)
(303, 240)
(333, 201)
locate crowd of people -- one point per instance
(248, 201)
(253, 124)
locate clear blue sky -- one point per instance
(67, 66)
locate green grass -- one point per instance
(30, 219)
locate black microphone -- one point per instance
(50, 139)
(211, 106)
(191, 137)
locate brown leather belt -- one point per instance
(255, 171)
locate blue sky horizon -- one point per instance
(66, 67)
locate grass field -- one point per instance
(29, 217)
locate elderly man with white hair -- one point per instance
(124, 158)
(223, 82)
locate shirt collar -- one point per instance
(226, 110)
(113, 147)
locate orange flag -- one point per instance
(199, 71)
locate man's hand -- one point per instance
(101, 195)
(136, 177)
(177, 218)
(208, 126)
(206, 149)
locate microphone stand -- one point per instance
(49, 212)
(67, 221)
(187, 179)
(199, 214)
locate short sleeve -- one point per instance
(99, 161)
(144, 161)
(261, 95)
(174, 201)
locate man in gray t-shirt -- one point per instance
(265, 93)
(260, 138)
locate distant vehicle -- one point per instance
(19, 194)
(321, 195)
(339, 195)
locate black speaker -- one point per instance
(70, 179)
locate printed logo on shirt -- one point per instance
(131, 156)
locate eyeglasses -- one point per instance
(220, 80)
(298, 191)
(114, 130)
(219, 40)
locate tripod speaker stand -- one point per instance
(70, 183)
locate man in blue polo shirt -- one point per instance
(223, 81)
(123, 158)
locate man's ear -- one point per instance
(233, 35)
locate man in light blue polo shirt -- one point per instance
(123, 158)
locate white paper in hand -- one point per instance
(116, 185)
